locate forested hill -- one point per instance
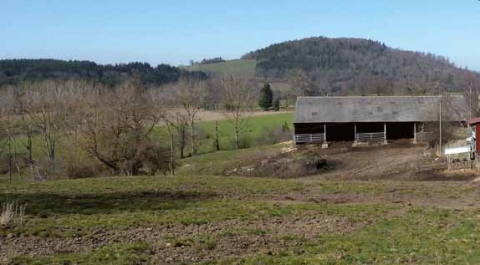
(360, 66)
(13, 71)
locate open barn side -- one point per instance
(370, 119)
(353, 131)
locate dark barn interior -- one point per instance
(346, 131)
(400, 130)
(340, 132)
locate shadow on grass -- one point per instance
(44, 205)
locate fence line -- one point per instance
(309, 138)
(370, 137)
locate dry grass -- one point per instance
(12, 213)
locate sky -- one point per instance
(177, 31)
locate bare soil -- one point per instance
(190, 243)
(398, 160)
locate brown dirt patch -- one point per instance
(174, 244)
(399, 160)
(451, 195)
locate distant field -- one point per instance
(208, 115)
(258, 131)
(257, 128)
(236, 67)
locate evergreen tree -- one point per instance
(266, 97)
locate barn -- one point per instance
(372, 118)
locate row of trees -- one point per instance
(20, 70)
(81, 128)
(208, 61)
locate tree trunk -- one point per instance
(182, 143)
(10, 159)
(217, 141)
(17, 166)
(50, 147)
(192, 138)
(237, 140)
(29, 147)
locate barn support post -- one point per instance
(355, 132)
(294, 135)
(414, 132)
(325, 132)
(385, 132)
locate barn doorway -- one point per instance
(400, 130)
(340, 132)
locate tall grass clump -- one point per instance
(12, 213)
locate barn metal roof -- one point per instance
(474, 121)
(379, 109)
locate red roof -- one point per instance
(474, 121)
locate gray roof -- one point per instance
(379, 109)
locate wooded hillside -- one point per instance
(13, 71)
(358, 66)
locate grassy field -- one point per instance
(257, 128)
(235, 220)
(237, 67)
(258, 132)
(198, 218)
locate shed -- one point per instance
(372, 118)
(475, 125)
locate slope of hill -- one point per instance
(360, 66)
(235, 67)
(13, 71)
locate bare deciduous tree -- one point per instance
(238, 101)
(7, 129)
(300, 84)
(190, 96)
(117, 127)
(184, 100)
(40, 110)
(41, 104)
(471, 87)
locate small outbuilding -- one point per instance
(372, 118)
(475, 125)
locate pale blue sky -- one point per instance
(169, 31)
